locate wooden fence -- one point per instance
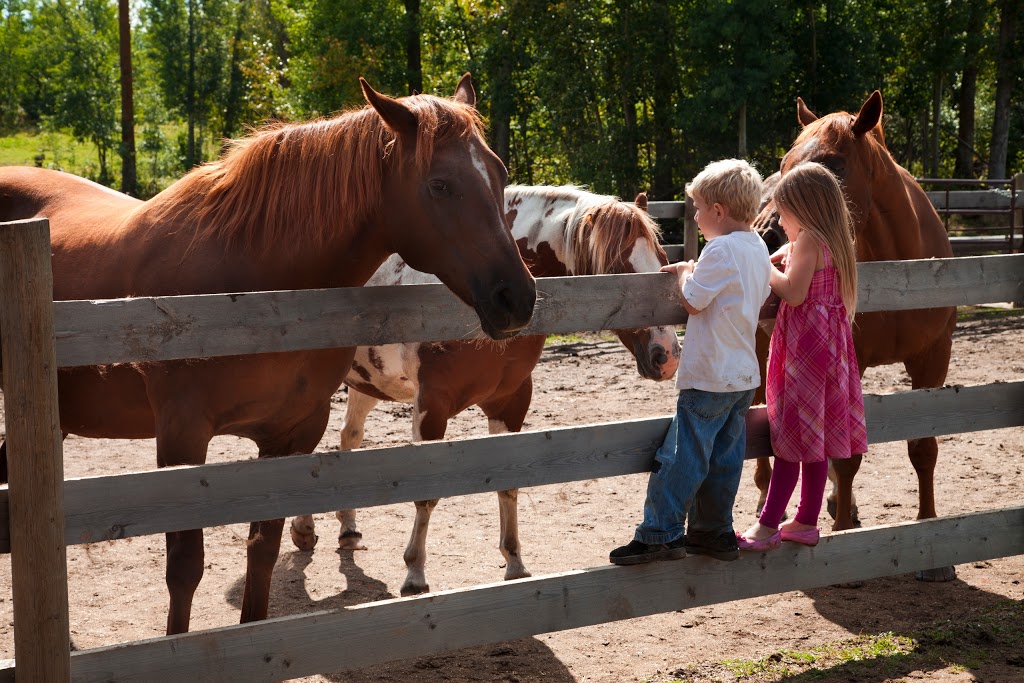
(40, 513)
(1008, 238)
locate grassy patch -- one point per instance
(992, 637)
(965, 313)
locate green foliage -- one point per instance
(618, 96)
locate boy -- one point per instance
(697, 468)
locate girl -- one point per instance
(815, 406)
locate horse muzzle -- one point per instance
(657, 359)
(507, 309)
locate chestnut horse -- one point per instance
(299, 206)
(560, 231)
(893, 220)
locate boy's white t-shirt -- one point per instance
(729, 284)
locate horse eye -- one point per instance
(438, 188)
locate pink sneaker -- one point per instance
(772, 541)
(806, 537)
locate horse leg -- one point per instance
(182, 440)
(508, 416)
(303, 528)
(845, 470)
(762, 477)
(264, 542)
(928, 370)
(831, 503)
(429, 423)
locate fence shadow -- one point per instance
(525, 659)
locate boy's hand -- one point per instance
(680, 269)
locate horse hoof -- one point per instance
(939, 575)
(351, 540)
(409, 589)
(522, 574)
(304, 541)
(849, 584)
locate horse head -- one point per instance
(852, 147)
(622, 238)
(441, 206)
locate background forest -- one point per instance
(619, 95)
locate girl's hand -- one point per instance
(781, 252)
(792, 285)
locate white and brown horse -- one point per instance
(560, 231)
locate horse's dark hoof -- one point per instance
(305, 540)
(940, 575)
(351, 540)
(410, 590)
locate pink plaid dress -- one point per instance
(815, 406)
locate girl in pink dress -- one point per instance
(813, 391)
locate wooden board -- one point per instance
(125, 505)
(389, 630)
(164, 328)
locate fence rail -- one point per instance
(179, 327)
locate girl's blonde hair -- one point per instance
(813, 196)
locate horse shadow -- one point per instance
(945, 619)
(523, 659)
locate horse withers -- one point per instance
(893, 220)
(293, 206)
(560, 231)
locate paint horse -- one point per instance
(293, 206)
(560, 231)
(893, 220)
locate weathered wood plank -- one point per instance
(164, 328)
(962, 246)
(389, 630)
(36, 465)
(124, 505)
(958, 199)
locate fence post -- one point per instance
(690, 235)
(35, 461)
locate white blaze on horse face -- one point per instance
(644, 258)
(476, 156)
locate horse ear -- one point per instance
(869, 115)
(804, 115)
(464, 90)
(396, 116)
(641, 201)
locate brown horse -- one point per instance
(560, 231)
(893, 220)
(313, 205)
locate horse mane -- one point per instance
(296, 183)
(599, 227)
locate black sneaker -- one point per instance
(721, 546)
(638, 552)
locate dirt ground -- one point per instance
(117, 590)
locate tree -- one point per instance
(1007, 61)
(15, 22)
(81, 80)
(128, 175)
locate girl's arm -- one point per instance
(792, 285)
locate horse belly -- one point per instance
(388, 372)
(894, 336)
(104, 402)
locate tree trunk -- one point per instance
(414, 66)
(968, 90)
(1005, 77)
(129, 178)
(665, 80)
(190, 96)
(933, 151)
(232, 108)
(742, 147)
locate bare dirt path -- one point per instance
(117, 590)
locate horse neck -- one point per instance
(538, 221)
(900, 222)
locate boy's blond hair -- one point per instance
(733, 183)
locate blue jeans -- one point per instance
(697, 469)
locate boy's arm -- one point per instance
(683, 270)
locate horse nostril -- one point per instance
(502, 297)
(660, 357)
